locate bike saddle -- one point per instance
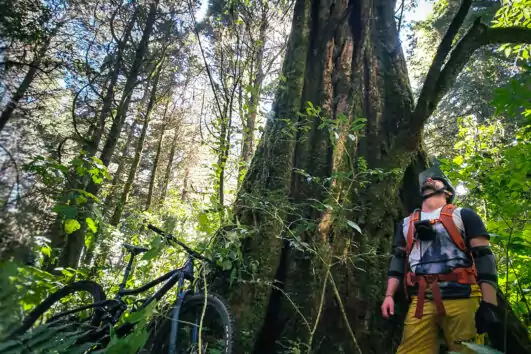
(135, 249)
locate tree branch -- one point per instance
(477, 36)
(207, 67)
(501, 35)
(434, 72)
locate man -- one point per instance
(443, 255)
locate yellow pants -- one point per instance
(421, 336)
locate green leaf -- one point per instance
(91, 225)
(508, 51)
(89, 239)
(46, 250)
(71, 225)
(226, 264)
(154, 249)
(87, 194)
(354, 226)
(96, 179)
(458, 160)
(66, 210)
(481, 349)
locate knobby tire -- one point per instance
(161, 339)
(88, 286)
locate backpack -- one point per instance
(459, 275)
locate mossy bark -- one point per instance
(345, 58)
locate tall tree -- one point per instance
(169, 165)
(318, 175)
(153, 177)
(28, 31)
(117, 64)
(75, 241)
(115, 219)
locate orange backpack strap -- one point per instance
(414, 217)
(447, 220)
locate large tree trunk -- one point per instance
(348, 62)
(320, 282)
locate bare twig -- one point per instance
(340, 302)
(207, 67)
(200, 344)
(318, 316)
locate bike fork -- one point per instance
(175, 322)
(175, 326)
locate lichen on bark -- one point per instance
(344, 57)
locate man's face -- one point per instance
(431, 185)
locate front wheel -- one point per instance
(207, 327)
(70, 304)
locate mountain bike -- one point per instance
(84, 303)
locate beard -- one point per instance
(431, 186)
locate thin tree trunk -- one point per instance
(122, 163)
(224, 145)
(75, 242)
(57, 234)
(26, 82)
(167, 174)
(184, 192)
(109, 94)
(89, 254)
(222, 160)
(118, 211)
(157, 157)
(130, 84)
(254, 99)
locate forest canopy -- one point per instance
(280, 139)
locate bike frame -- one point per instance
(186, 272)
(176, 276)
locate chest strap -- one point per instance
(446, 218)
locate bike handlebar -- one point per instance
(172, 238)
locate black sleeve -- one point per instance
(399, 240)
(396, 263)
(474, 226)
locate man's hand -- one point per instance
(388, 307)
(486, 317)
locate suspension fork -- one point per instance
(175, 315)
